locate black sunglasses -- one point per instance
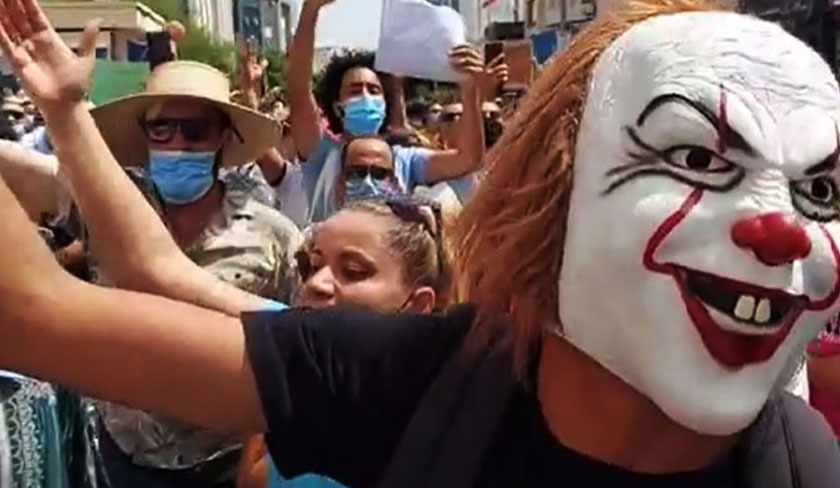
(163, 130)
(378, 173)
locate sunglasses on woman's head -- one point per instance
(426, 214)
(377, 173)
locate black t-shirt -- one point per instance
(339, 387)
(525, 453)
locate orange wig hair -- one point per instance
(508, 242)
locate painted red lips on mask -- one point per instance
(769, 314)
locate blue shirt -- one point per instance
(37, 140)
(324, 165)
(275, 480)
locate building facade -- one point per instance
(216, 16)
(454, 4)
(270, 23)
(478, 14)
(124, 25)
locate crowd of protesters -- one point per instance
(337, 198)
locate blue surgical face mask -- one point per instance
(364, 114)
(366, 188)
(182, 177)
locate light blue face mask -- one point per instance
(182, 177)
(364, 115)
(366, 188)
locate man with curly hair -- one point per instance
(354, 100)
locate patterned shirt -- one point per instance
(247, 244)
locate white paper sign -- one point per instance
(416, 38)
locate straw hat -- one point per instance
(119, 120)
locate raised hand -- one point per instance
(50, 72)
(253, 72)
(467, 61)
(495, 74)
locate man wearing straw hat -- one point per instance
(180, 139)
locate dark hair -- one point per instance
(416, 109)
(492, 131)
(329, 86)
(7, 132)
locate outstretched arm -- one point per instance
(142, 255)
(451, 164)
(304, 115)
(127, 347)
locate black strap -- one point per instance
(454, 424)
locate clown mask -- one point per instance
(701, 248)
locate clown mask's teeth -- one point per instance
(746, 309)
(762, 311)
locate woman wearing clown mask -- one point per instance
(634, 328)
(355, 100)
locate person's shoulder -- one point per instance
(451, 325)
(271, 216)
(406, 153)
(790, 440)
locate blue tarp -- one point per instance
(543, 45)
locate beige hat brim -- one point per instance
(119, 123)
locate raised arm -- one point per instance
(467, 157)
(250, 72)
(142, 255)
(396, 105)
(33, 177)
(304, 116)
(141, 350)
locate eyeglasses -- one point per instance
(163, 130)
(377, 173)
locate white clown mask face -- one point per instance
(701, 247)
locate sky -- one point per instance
(352, 23)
